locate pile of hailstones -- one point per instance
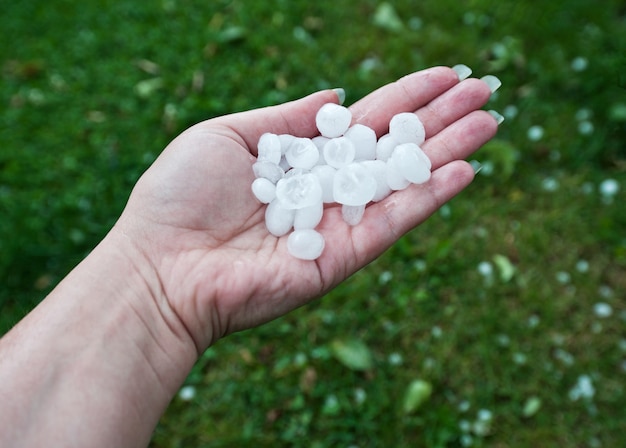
(346, 165)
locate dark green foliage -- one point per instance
(92, 91)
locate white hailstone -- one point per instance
(359, 398)
(412, 162)
(339, 152)
(583, 389)
(269, 148)
(352, 214)
(326, 175)
(605, 291)
(319, 143)
(579, 64)
(285, 141)
(187, 393)
(264, 190)
(485, 415)
(485, 268)
(385, 146)
(602, 310)
(395, 178)
(302, 153)
(308, 217)
(533, 321)
(332, 120)
(609, 187)
(378, 170)
(510, 111)
(305, 244)
(520, 358)
(585, 127)
(353, 185)
(299, 191)
(385, 277)
(482, 425)
(278, 219)
(364, 140)
(563, 277)
(464, 406)
(406, 127)
(535, 133)
(582, 266)
(268, 170)
(550, 184)
(487, 168)
(564, 356)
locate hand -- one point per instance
(193, 217)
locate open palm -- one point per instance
(193, 216)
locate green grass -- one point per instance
(92, 91)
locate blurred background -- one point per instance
(500, 322)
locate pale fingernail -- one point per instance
(341, 95)
(462, 70)
(492, 81)
(499, 118)
(476, 165)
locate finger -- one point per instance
(460, 139)
(295, 117)
(407, 94)
(460, 100)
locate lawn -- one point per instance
(499, 322)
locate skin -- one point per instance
(190, 261)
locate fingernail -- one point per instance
(476, 165)
(462, 70)
(499, 118)
(341, 95)
(492, 81)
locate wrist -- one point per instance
(100, 358)
(141, 307)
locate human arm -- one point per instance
(190, 261)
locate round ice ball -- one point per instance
(299, 191)
(333, 120)
(339, 152)
(326, 176)
(364, 139)
(308, 217)
(378, 170)
(278, 219)
(406, 127)
(412, 162)
(385, 146)
(354, 185)
(302, 153)
(264, 190)
(352, 214)
(268, 170)
(305, 244)
(268, 148)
